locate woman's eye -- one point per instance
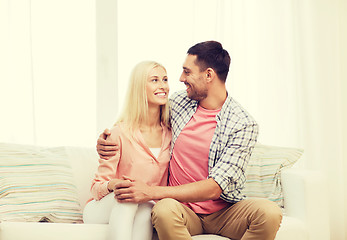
(154, 80)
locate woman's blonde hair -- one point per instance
(135, 110)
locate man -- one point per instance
(213, 137)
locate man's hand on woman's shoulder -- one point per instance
(105, 148)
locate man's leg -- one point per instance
(250, 219)
(175, 221)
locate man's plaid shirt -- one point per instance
(232, 143)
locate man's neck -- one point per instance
(214, 101)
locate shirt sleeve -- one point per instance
(106, 170)
(229, 169)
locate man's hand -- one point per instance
(132, 191)
(104, 147)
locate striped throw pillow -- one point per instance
(36, 184)
(263, 174)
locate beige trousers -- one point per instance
(251, 219)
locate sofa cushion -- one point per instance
(34, 231)
(36, 184)
(292, 228)
(84, 163)
(263, 173)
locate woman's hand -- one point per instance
(111, 184)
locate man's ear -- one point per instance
(210, 74)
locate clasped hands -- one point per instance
(127, 190)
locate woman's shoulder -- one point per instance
(117, 132)
(116, 129)
(122, 131)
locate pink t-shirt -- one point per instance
(189, 162)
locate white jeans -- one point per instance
(127, 221)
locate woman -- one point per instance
(143, 136)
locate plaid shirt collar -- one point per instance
(183, 108)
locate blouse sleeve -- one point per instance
(107, 168)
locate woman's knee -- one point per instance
(98, 211)
(90, 213)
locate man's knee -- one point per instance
(164, 208)
(268, 214)
(271, 211)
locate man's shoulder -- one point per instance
(234, 110)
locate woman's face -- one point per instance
(157, 87)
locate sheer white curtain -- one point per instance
(48, 72)
(16, 96)
(289, 60)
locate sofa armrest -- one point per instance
(306, 198)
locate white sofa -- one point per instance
(305, 214)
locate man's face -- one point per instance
(194, 80)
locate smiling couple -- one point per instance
(179, 164)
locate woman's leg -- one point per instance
(121, 221)
(99, 211)
(127, 221)
(142, 227)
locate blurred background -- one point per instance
(65, 64)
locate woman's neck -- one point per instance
(153, 120)
(152, 130)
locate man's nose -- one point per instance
(182, 78)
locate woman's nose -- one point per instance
(162, 84)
